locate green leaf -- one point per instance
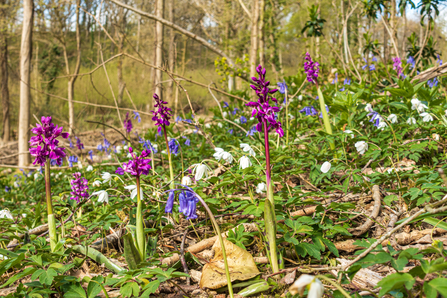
(75, 291)
(93, 289)
(307, 248)
(150, 288)
(395, 281)
(254, 289)
(47, 277)
(288, 237)
(436, 223)
(331, 247)
(440, 285)
(131, 253)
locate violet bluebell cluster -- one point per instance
(347, 81)
(79, 187)
(375, 117)
(309, 111)
(162, 115)
(243, 120)
(187, 202)
(128, 123)
(137, 116)
(226, 105)
(173, 146)
(90, 152)
(46, 142)
(188, 141)
(137, 166)
(252, 131)
(311, 69)
(335, 80)
(371, 67)
(411, 61)
(282, 87)
(397, 66)
(235, 111)
(71, 160)
(438, 60)
(327, 110)
(79, 144)
(262, 109)
(71, 143)
(433, 83)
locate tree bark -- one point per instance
(72, 80)
(261, 33)
(25, 62)
(159, 48)
(254, 37)
(171, 54)
(121, 33)
(4, 77)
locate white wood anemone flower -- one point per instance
(134, 191)
(314, 285)
(96, 183)
(103, 196)
(200, 170)
(186, 180)
(325, 167)
(426, 117)
(6, 214)
(247, 148)
(244, 162)
(106, 177)
(222, 154)
(392, 118)
(89, 168)
(349, 133)
(417, 105)
(411, 121)
(361, 147)
(261, 188)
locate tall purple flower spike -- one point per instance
(311, 69)
(128, 123)
(262, 109)
(79, 187)
(46, 143)
(397, 66)
(137, 166)
(162, 115)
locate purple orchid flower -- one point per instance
(137, 166)
(162, 115)
(79, 187)
(128, 123)
(311, 69)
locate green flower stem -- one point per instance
(139, 224)
(342, 291)
(224, 254)
(270, 227)
(287, 118)
(327, 123)
(171, 171)
(51, 219)
(97, 257)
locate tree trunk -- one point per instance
(317, 38)
(73, 78)
(345, 32)
(25, 62)
(159, 49)
(4, 78)
(404, 34)
(121, 34)
(261, 33)
(171, 54)
(254, 37)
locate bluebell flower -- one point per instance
(335, 81)
(137, 116)
(230, 131)
(316, 98)
(72, 159)
(366, 65)
(372, 67)
(374, 59)
(53, 162)
(71, 143)
(252, 131)
(282, 87)
(235, 111)
(178, 119)
(347, 81)
(188, 142)
(438, 60)
(243, 120)
(375, 118)
(187, 203)
(309, 111)
(123, 142)
(170, 202)
(91, 154)
(411, 61)
(173, 146)
(7, 188)
(433, 83)
(226, 105)
(189, 121)
(100, 147)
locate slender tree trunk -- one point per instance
(404, 34)
(317, 38)
(73, 78)
(345, 32)
(261, 33)
(138, 33)
(360, 34)
(385, 44)
(25, 62)
(159, 49)
(121, 33)
(4, 79)
(254, 37)
(171, 54)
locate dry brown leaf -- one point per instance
(240, 262)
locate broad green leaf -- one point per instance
(436, 223)
(395, 281)
(75, 291)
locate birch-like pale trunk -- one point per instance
(25, 63)
(171, 54)
(254, 37)
(72, 80)
(261, 33)
(159, 49)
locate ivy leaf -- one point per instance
(395, 281)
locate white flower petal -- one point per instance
(325, 167)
